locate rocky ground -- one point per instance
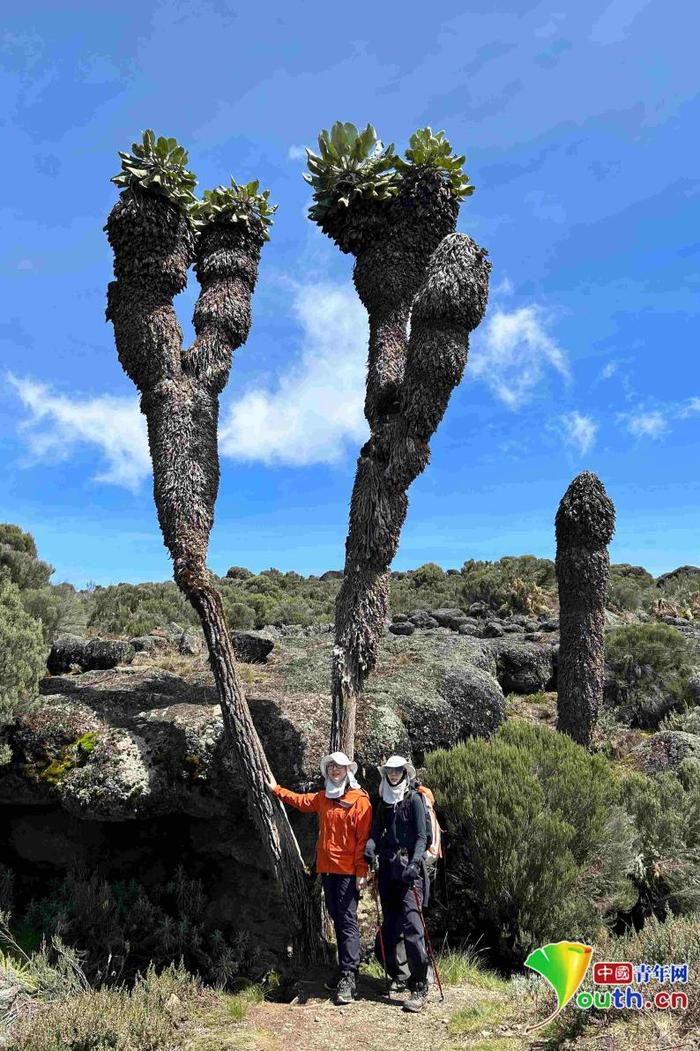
(123, 756)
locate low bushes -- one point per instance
(539, 847)
(647, 671)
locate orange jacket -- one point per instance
(344, 827)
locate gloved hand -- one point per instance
(411, 872)
(370, 852)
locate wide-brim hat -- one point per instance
(341, 759)
(396, 761)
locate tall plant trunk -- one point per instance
(153, 247)
(448, 307)
(585, 523)
(299, 892)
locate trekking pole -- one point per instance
(431, 954)
(375, 867)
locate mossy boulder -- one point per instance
(88, 655)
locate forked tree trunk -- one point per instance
(153, 248)
(449, 305)
(585, 523)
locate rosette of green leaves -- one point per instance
(350, 164)
(434, 151)
(158, 165)
(234, 204)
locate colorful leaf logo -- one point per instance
(564, 965)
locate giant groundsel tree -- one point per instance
(397, 217)
(585, 523)
(157, 229)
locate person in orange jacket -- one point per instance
(345, 822)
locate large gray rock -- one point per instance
(667, 750)
(449, 618)
(249, 648)
(476, 698)
(422, 619)
(492, 630)
(149, 643)
(402, 628)
(431, 722)
(92, 655)
(522, 667)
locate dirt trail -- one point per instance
(372, 1023)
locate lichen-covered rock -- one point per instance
(522, 667)
(190, 644)
(469, 628)
(92, 655)
(449, 618)
(492, 630)
(431, 722)
(65, 651)
(422, 619)
(249, 648)
(148, 643)
(549, 624)
(477, 699)
(402, 628)
(667, 750)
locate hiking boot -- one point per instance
(418, 998)
(332, 980)
(346, 989)
(397, 986)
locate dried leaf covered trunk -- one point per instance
(153, 247)
(440, 279)
(585, 523)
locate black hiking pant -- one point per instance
(402, 918)
(341, 901)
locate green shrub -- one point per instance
(147, 1018)
(239, 616)
(428, 574)
(22, 656)
(522, 584)
(666, 812)
(135, 609)
(647, 671)
(538, 847)
(18, 558)
(675, 940)
(119, 929)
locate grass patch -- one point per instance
(238, 1003)
(464, 967)
(477, 1016)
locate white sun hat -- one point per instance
(341, 759)
(396, 761)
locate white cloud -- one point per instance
(609, 370)
(512, 353)
(578, 430)
(315, 410)
(312, 413)
(57, 424)
(691, 406)
(646, 424)
(296, 153)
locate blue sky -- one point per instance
(577, 122)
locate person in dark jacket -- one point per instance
(397, 843)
